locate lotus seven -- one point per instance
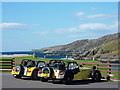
(67, 72)
(28, 68)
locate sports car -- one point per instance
(67, 72)
(28, 68)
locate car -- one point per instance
(28, 68)
(67, 72)
(49, 69)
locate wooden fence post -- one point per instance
(11, 63)
(12, 60)
(97, 66)
(83, 64)
(109, 70)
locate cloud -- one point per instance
(94, 16)
(86, 28)
(13, 26)
(94, 30)
(10, 25)
(93, 26)
(100, 16)
(80, 13)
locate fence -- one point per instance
(105, 68)
(6, 64)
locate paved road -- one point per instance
(8, 81)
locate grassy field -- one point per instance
(46, 59)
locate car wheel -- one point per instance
(68, 79)
(34, 75)
(96, 75)
(19, 68)
(44, 79)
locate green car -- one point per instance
(67, 72)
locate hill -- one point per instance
(105, 47)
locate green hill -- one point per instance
(105, 47)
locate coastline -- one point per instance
(16, 55)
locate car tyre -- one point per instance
(68, 79)
(34, 75)
(44, 79)
(96, 75)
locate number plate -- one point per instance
(45, 75)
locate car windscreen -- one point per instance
(72, 65)
(30, 63)
(41, 64)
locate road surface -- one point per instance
(8, 81)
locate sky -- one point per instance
(36, 25)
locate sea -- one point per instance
(38, 54)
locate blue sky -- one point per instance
(35, 25)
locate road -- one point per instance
(8, 81)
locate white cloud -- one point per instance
(94, 30)
(80, 13)
(4, 25)
(99, 27)
(95, 16)
(90, 27)
(100, 16)
(85, 28)
(12, 26)
(93, 26)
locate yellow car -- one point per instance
(28, 68)
(57, 70)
